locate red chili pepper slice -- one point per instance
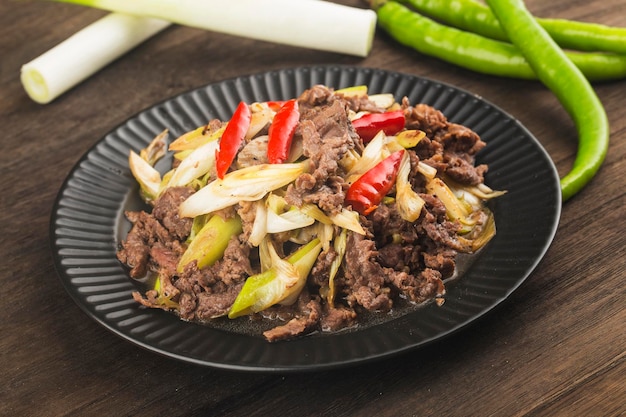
(370, 124)
(275, 105)
(231, 138)
(368, 191)
(281, 132)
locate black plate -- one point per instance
(88, 222)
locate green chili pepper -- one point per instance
(476, 17)
(478, 53)
(567, 83)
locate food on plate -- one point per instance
(309, 214)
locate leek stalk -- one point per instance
(374, 152)
(142, 167)
(246, 184)
(340, 245)
(410, 204)
(84, 53)
(455, 208)
(147, 176)
(314, 24)
(209, 244)
(281, 284)
(196, 164)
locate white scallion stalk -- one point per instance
(340, 245)
(270, 218)
(455, 208)
(147, 176)
(246, 184)
(196, 164)
(426, 170)
(384, 100)
(409, 203)
(84, 53)
(373, 153)
(258, 121)
(290, 220)
(259, 227)
(348, 219)
(313, 24)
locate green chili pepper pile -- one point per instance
(503, 39)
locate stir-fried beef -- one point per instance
(337, 317)
(362, 103)
(394, 259)
(449, 147)
(247, 212)
(307, 319)
(154, 240)
(253, 153)
(364, 279)
(322, 186)
(424, 117)
(211, 291)
(166, 211)
(326, 136)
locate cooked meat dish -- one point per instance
(307, 214)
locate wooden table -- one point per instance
(556, 347)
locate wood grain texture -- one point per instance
(555, 348)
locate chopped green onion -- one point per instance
(483, 191)
(246, 184)
(314, 211)
(156, 149)
(314, 24)
(373, 153)
(487, 232)
(259, 227)
(340, 245)
(353, 91)
(324, 232)
(195, 165)
(290, 220)
(274, 215)
(410, 138)
(384, 100)
(409, 203)
(258, 120)
(147, 176)
(426, 170)
(280, 284)
(84, 53)
(348, 219)
(163, 299)
(456, 209)
(209, 244)
(195, 138)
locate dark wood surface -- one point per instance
(557, 347)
